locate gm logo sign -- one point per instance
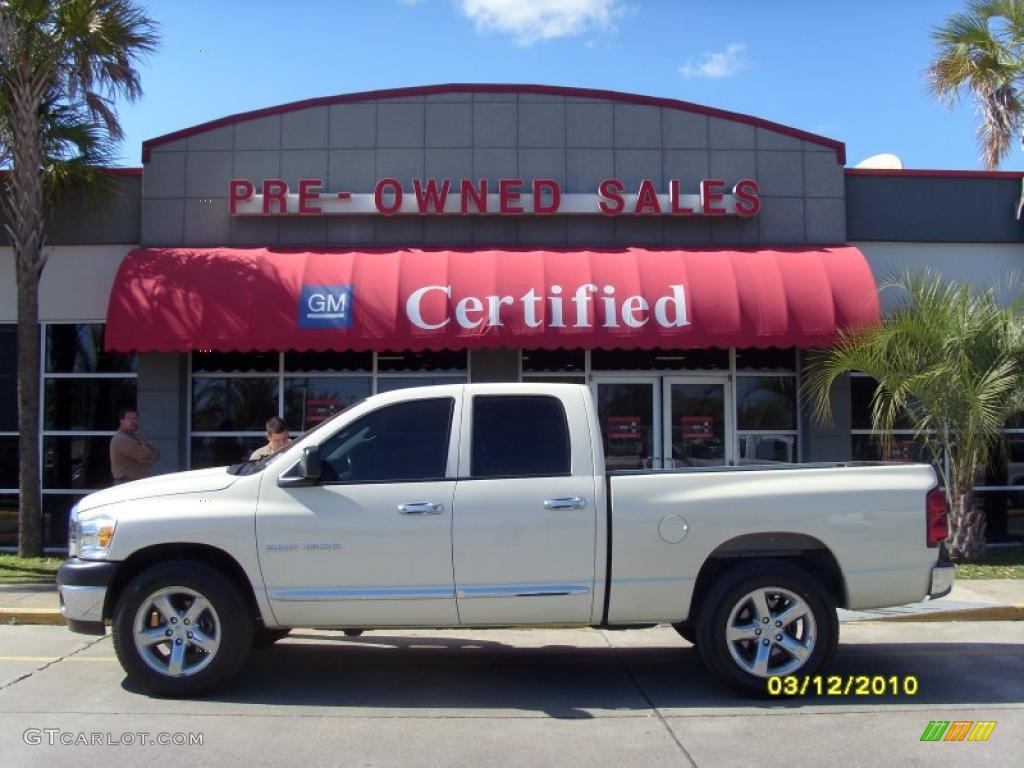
(325, 306)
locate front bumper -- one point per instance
(82, 585)
(943, 576)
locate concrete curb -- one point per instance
(43, 616)
(982, 613)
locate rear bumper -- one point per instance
(82, 585)
(943, 576)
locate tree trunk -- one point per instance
(30, 512)
(966, 527)
(25, 227)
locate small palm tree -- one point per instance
(948, 361)
(62, 64)
(981, 51)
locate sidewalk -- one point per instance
(995, 600)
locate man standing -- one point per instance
(130, 455)
(277, 438)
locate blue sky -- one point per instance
(852, 71)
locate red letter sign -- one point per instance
(275, 191)
(710, 194)
(748, 203)
(611, 191)
(307, 193)
(508, 193)
(539, 207)
(378, 196)
(239, 190)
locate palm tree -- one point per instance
(981, 51)
(62, 64)
(948, 361)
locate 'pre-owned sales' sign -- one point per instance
(509, 197)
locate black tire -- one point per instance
(353, 632)
(264, 637)
(811, 631)
(223, 624)
(686, 631)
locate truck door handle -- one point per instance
(421, 508)
(571, 502)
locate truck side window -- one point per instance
(519, 436)
(401, 442)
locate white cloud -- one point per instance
(717, 65)
(532, 20)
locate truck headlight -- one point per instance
(93, 536)
(73, 531)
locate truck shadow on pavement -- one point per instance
(381, 670)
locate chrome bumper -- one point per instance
(943, 576)
(82, 603)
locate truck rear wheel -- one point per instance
(181, 628)
(765, 619)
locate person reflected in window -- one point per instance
(131, 455)
(277, 438)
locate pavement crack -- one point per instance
(650, 703)
(89, 644)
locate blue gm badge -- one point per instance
(325, 306)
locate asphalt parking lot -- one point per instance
(564, 697)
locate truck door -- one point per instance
(525, 518)
(370, 544)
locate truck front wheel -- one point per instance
(766, 619)
(181, 628)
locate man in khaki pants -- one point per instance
(130, 454)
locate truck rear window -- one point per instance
(519, 436)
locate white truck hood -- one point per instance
(196, 481)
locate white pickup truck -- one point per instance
(486, 505)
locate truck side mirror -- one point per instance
(307, 472)
(309, 463)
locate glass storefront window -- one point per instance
(772, 359)
(78, 348)
(390, 384)
(56, 511)
(235, 362)
(233, 404)
(862, 389)
(625, 412)
(308, 401)
(659, 359)
(1004, 513)
(8, 461)
(328, 362)
(8, 520)
(8, 378)
(76, 462)
(767, 449)
(766, 402)
(554, 361)
(414, 362)
(220, 451)
(86, 404)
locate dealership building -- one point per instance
(679, 260)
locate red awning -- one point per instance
(409, 298)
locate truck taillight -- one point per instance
(937, 528)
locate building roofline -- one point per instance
(548, 90)
(930, 173)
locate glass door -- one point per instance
(698, 429)
(629, 412)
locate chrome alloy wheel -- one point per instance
(176, 631)
(771, 631)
